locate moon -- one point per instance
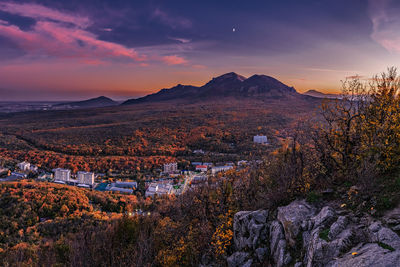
(233, 29)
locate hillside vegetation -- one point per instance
(351, 156)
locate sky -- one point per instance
(76, 49)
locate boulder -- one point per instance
(392, 218)
(368, 255)
(239, 259)
(250, 229)
(292, 216)
(337, 227)
(278, 248)
(378, 233)
(324, 218)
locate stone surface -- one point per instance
(317, 237)
(325, 217)
(250, 229)
(368, 255)
(291, 218)
(392, 218)
(337, 227)
(261, 254)
(278, 248)
(239, 259)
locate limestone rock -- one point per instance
(278, 248)
(239, 259)
(292, 216)
(250, 229)
(368, 255)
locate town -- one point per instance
(170, 180)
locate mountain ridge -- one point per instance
(100, 101)
(229, 84)
(316, 93)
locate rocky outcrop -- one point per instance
(250, 235)
(291, 217)
(279, 253)
(392, 219)
(305, 235)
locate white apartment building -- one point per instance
(202, 168)
(170, 167)
(24, 166)
(85, 177)
(217, 169)
(260, 139)
(62, 175)
(158, 189)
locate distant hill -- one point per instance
(101, 101)
(227, 85)
(319, 94)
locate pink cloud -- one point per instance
(58, 34)
(174, 60)
(51, 36)
(385, 25)
(41, 12)
(54, 39)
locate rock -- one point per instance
(368, 255)
(374, 227)
(261, 254)
(291, 217)
(278, 248)
(250, 229)
(320, 252)
(239, 259)
(329, 238)
(325, 217)
(387, 236)
(392, 218)
(337, 227)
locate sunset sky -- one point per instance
(75, 49)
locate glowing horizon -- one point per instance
(76, 50)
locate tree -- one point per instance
(360, 132)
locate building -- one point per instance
(217, 169)
(242, 163)
(120, 190)
(62, 175)
(202, 168)
(19, 175)
(128, 185)
(33, 168)
(260, 139)
(83, 185)
(170, 167)
(158, 189)
(122, 187)
(24, 166)
(85, 177)
(45, 176)
(3, 170)
(199, 179)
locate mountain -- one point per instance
(319, 94)
(227, 85)
(101, 101)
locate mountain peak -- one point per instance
(229, 76)
(229, 84)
